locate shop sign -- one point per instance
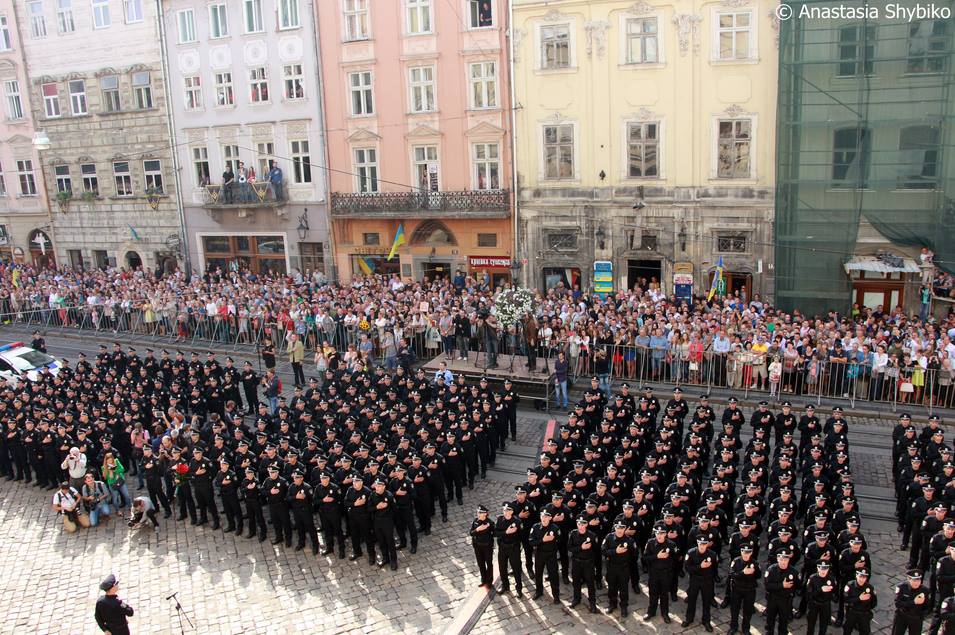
(371, 251)
(603, 276)
(488, 261)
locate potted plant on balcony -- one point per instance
(153, 196)
(63, 198)
(89, 196)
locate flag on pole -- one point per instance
(717, 279)
(134, 233)
(366, 267)
(399, 241)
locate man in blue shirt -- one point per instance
(275, 178)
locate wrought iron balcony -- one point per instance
(485, 203)
(243, 195)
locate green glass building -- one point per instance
(865, 162)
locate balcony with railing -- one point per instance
(467, 203)
(243, 195)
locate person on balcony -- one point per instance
(228, 182)
(276, 180)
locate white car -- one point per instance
(22, 362)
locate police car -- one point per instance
(22, 362)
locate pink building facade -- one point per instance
(418, 120)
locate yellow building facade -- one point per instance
(645, 138)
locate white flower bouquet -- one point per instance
(513, 304)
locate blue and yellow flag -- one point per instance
(366, 267)
(133, 232)
(399, 241)
(16, 278)
(717, 278)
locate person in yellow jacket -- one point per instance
(296, 354)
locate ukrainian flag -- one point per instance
(716, 279)
(399, 241)
(366, 267)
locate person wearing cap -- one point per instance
(203, 472)
(744, 575)
(618, 548)
(228, 484)
(482, 540)
(583, 545)
(382, 505)
(111, 613)
(276, 489)
(918, 509)
(660, 559)
(153, 469)
(700, 565)
(782, 584)
(253, 494)
(178, 468)
(404, 492)
(819, 592)
(328, 497)
(861, 601)
(300, 498)
(911, 605)
(544, 537)
(507, 529)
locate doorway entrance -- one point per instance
(133, 261)
(737, 283)
(435, 270)
(643, 273)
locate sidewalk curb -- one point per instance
(472, 610)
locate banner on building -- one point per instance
(603, 277)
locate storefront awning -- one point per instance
(872, 263)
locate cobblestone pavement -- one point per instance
(226, 584)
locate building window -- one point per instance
(301, 162)
(25, 174)
(356, 20)
(259, 85)
(731, 243)
(419, 16)
(486, 166)
(643, 150)
(63, 181)
(193, 87)
(230, 158)
(3, 183)
(480, 14)
(90, 182)
(555, 46)
(224, 94)
(366, 171)
(648, 241)
(850, 157)
(37, 20)
(371, 239)
(294, 82)
(484, 85)
(928, 46)
(5, 42)
(562, 241)
(734, 146)
(187, 26)
(426, 168)
(487, 240)
(264, 151)
(362, 102)
(288, 14)
(110, 87)
(643, 41)
(422, 89)
(218, 21)
(856, 50)
(735, 35)
(14, 105)
(253, 16)
(123, 178)
(51, 100)
(64, 16)
(200, 165)
(142, 91)
(78, 97)
(918, 147)
(152, 169)
(134, 10)
(559, 152)
(101, 14)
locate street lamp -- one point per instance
(303, 227)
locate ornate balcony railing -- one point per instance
(243, 195)
(483, 202)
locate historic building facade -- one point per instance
(417, 107)
(645, 134)
(245, 91)
(25, 233)
(98, 102)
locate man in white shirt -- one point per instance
(66, 501)
(75, 466)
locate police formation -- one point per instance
(631, 487)
(373, 454)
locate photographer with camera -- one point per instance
(96, 498)
(143, 508)
(66, 502)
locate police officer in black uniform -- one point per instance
(507, 529)
(700, 565)
(782, 582)
(744, 577)
(583, 547)
(300, 498)
(382, 504)
(861, 601)
(660, 559)
(618, 548)
(328, 497)
(253, 505)
(359, 518)
(202, 472)
(228, 485)
(276, 489)
(911, 605)
(482, 540)
(820, 590)
(544, 537)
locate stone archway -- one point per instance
(133, 260)
(433, 233)
(41, 249)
